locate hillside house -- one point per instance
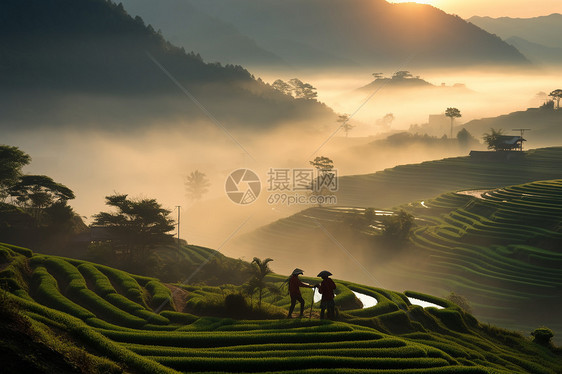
(507, 148)
(510, 143)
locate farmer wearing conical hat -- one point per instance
(294, 291)
(326, 288)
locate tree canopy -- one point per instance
(296, 88)
(452, 113)
(322, 163)
(12, 160)
(196, 185)
(259, 270)
(493, 139)
(556, 95)
(344, 123)
(40, 191)
(137, 226)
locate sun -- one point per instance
(430, 2)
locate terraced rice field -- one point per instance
(502, 247)
(406, 183)
(115, 314)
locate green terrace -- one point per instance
(496, 244)
(406, 183)
(144, 324)
(498, 247)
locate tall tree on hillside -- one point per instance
(12, 160)
(196, 185)
(36, 193)
(556, 95)
(326, 180)
(402, 74)
(302, 90)
(282, 87)
(343, 120)
(322, 164)
(137, 226)
(453, 113)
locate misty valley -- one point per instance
(200, 186)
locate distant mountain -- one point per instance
(186, 25)
(536, 52)
(317, 33)
(537, 38)
(80, 61)
(405, 80)
(545, 30)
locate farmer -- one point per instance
(326, 288)
(294, 291)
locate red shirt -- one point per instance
(295, 284)
(327, 288)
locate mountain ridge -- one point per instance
(58, 52)
(541, 30)
(362, 33)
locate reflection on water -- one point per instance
(368, 301)
(424, 304)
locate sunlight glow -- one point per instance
(430, 2)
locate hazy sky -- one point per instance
(495, 8)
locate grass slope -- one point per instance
(79, 301)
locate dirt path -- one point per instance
(179, 296)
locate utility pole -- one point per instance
(179, 208)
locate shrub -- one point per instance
(236, 305)
(542, 336)
(5, 255)
(460, 301)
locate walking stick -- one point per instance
(312, 302)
